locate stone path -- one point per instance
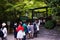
(44, 34)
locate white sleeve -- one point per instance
(39, 22)
(5, 32)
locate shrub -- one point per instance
(49, 24)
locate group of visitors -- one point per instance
(25, 29)
(22, 30)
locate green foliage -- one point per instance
(53, 5)
(9, 9)
(49, 24)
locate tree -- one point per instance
(12, 8)
(25, 5)
(54, 5)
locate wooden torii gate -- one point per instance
(46, 7)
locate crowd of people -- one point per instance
(22, 30)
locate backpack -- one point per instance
(1, 33)
(35, 28)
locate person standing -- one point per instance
(25, 29)
(35, 29)
(4, 30)
(32, 29)
(1, 34)
(15, 32)
(37, 25)
(20, 30)
(29, 30)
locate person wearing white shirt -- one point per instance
(4, 30)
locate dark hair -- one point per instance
(31, 23)
(20, 24)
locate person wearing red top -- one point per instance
(20, 30)
(20, 27)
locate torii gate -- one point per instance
(39, 8)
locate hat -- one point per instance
(3, 24)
